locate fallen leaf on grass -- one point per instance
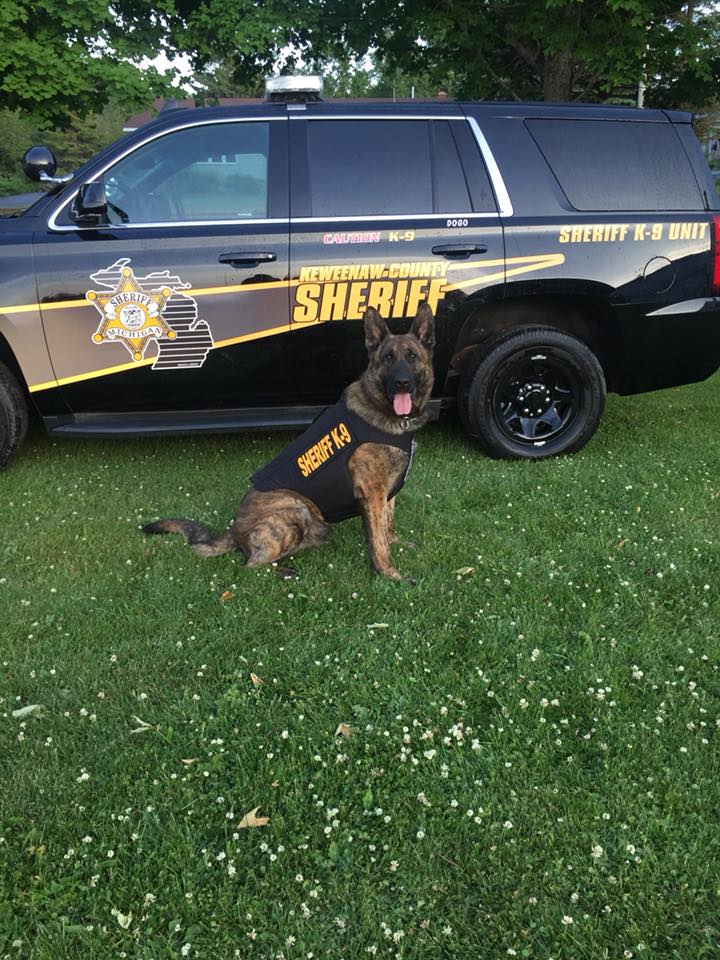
(227, 595)
(251, 820)
(27, 711)
(190, 762)
(464, 571)
(343, 730)
(257, 681)
(378, 626)
(144, 727)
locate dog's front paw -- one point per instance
(392, 574)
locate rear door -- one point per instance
(387, 210)
(167, 307)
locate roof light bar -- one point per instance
(293, 89)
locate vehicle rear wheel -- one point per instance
(532, 393)
(13, 415)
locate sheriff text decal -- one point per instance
(614, 232)
(343, 292)
(326, 447)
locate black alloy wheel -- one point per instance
(531, 393)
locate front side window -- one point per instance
(209, 172)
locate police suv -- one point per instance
(210, 270)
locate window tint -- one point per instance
(451, 190)
(618, 165)
(212, 172)
(369, 167)
(478, 181)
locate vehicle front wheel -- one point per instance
(532, 393)
(13, 415)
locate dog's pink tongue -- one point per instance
(402, 404)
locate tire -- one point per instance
(532, 393)
(13, 415)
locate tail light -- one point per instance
(715, 246)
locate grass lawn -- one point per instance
(533, 764)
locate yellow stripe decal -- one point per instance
(524, 264)
(133, 365)
(200, 292)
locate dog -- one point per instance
(352, 460)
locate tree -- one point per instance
(512, 49)
(73, 145)
(60, 57)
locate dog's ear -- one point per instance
(423, 326)
(375, 329)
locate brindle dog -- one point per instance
(391, 396)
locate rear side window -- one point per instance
(366, 168)
(604, 165)
(451, 189)
(369, 167)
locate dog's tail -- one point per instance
(199, 537)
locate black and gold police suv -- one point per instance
(209, 271)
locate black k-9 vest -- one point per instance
(315, 463)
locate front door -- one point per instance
(167, 306)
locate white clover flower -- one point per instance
(567, 921)
(596, 851)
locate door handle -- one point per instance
(246, 257)
(457, 250)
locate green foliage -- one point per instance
(551, 49)
(85, 135)
(72, 58)
(17, 135)
(64, 57)
(77, 142)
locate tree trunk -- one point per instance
(558, 76)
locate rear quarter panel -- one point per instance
(632, 264)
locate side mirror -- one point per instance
(91, 206)
(39, 163)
